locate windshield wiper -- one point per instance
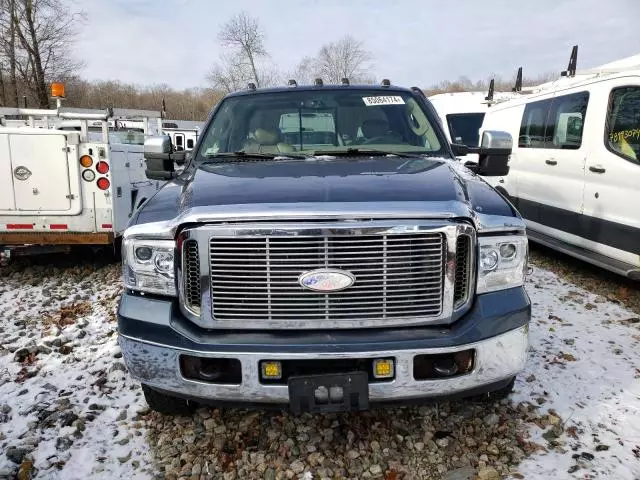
(241, 154)
(367, 151)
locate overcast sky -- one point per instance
(413, 42)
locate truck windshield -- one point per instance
(465, 128)
(306, 121)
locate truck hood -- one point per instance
(322, 180)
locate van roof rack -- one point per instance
(573, 62)
(492, 86)
(518, 85)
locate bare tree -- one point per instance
(243, 33)
(229, 74)
(8, 49)
(46, 30)
(346, 58)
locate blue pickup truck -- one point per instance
(370, 268)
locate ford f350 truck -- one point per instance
(343, 263)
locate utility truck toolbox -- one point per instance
(330, 263)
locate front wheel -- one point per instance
(167, 404)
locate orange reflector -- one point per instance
(86, 161)
(103, 183)
(19, 226)
(102, 167)
(57, 90)
(58, 226)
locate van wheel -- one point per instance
(496, 395)
(163, 403)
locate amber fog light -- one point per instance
(383, 368)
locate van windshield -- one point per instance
(465, 128)
(332, 120)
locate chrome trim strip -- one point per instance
(204, 233)
(156, 365)
(345, 211)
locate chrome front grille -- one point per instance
(398, 276)
(191, 275)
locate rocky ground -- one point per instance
(68, 409)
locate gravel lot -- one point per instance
(69, 410)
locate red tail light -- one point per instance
(103, 183)
(102, 167)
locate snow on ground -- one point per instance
(68, 406)
(584, 364)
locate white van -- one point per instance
(575, 170)
(462, 114)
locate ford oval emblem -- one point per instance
(326, 280)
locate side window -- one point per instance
(190, 143)
(532, 128)
(179, 141)
(623, 123)
(565, 121)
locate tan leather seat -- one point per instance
(266, 141)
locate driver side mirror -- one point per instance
(161, 157)
(494, 152)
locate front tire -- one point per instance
(167, 404)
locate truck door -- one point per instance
(40, 172)
(550, 171)
(612, 192)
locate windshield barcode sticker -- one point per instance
(383, 100)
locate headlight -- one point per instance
(502, 262)
(148, 265)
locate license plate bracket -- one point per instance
(307, 393)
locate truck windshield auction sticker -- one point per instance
(383, 100)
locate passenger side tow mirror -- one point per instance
(494, 152)
(161, 158)
(459, 149)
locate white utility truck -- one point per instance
(67, 177)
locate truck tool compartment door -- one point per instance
(550, 165)
(40, 171)
(612, 192)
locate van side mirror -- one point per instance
(494, 152)
(161, 158)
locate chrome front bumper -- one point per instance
(497, 358)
